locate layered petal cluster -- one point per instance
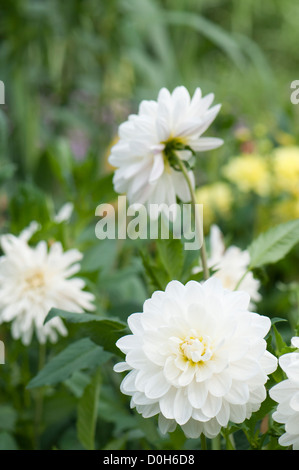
(230, 266)
(35, 279)
(196, 357)
(140, 156)
(286, 394)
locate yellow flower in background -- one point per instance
(286, 169)
(249, 172)
(283, 138)
(286, 210)
(216, 198)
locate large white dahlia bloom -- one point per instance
(33, 280)
(286, 394)
(197, 357)
(230, 266)
(147, 139)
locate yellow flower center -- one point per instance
(35, 280)
(196, 349)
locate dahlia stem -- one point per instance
(203, 252)
(39, 397)
(216, 443)
(241, 280)
(203, 442)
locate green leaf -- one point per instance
(61, 160)
(275, 320)
(29, 203)
(171, 254)
(215, 33)
(157, 277)
(280, 344)
(100, 256)
(6, 171)
(101, 330)
(82, 354)
(251, 426)
(77, 383)
(87, 413)
(273, 245)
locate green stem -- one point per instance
(216, 443)
(230, 444)
(203, 251)
(203, 442)
(39, 399)
(240, 280)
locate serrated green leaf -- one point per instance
(273, 245)
(79, 355)
(87, 413)
(101, 330)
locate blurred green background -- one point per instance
(73, 71)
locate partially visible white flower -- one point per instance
(231, 265)
(197, 357)
(29, 231)
(286, 394)
(141, 155)
(65, 212)
(33, 280)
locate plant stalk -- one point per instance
(203, 442)
(39, 399)
(203, 252)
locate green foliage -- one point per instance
(73, 71)
(274, 245)
(88, 412)
(171, 255)
(103, 331)
(81, 354)
(29, 203)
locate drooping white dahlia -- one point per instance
(286, 394)
(197, 357)
(147, 141)
(33, 280)
(230, 266)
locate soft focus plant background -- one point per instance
(73, 71)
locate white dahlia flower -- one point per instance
(33, 280)
(142, 156)
(286, 394)
(197, 357)
(230, 266)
